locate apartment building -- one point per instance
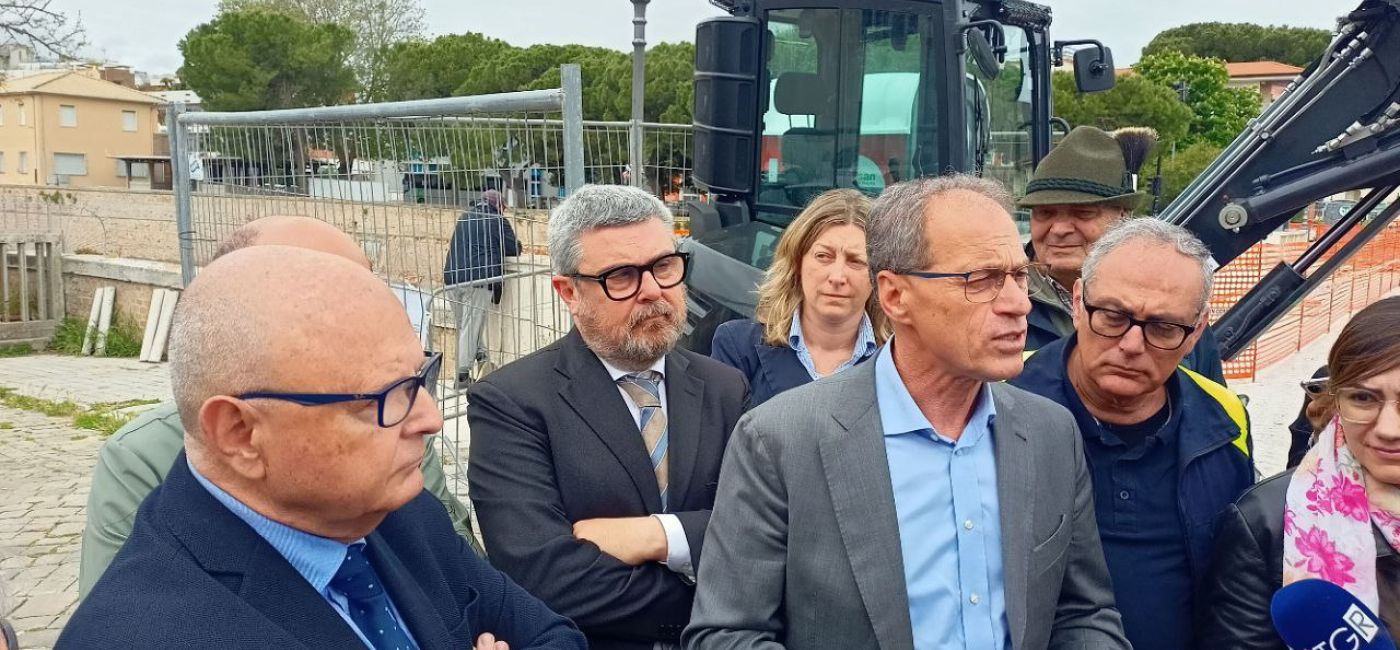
(70, 129)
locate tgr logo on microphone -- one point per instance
(1360, 628)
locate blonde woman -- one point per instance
(816, 314)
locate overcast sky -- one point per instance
(144, 33)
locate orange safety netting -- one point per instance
(1372, 273)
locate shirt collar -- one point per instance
(900, 414)
(865, 337)
(316, 558)
(617, 373)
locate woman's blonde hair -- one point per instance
(780, 295)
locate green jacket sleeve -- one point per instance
(130, 464)
(435, 480)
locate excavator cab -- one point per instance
(797, 97)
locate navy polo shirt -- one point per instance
(1135, 475)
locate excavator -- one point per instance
(796, 97)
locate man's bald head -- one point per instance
(279, 320)
(236, 328)
(297, 232)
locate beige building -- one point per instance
(67, 128)
(1270, 78)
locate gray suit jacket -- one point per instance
(803, 546)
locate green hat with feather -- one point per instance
(1093, 167)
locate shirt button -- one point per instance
(974, 599)
(1125, 495)
(967, 524)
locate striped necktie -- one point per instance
(645, 390)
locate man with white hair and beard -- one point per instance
(594, 461)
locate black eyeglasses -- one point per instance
(984, 285)
(623, 282)
(395, 401)
(1160, 334)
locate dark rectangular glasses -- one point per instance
(623, 282)
(395, 402)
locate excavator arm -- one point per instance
(1336, 128)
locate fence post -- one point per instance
(571, 78)
(180, 167)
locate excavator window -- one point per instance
(852, 103)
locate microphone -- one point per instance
(1318, 615)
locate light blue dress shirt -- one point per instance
(865, 345)
(945, 496)
(316, 558)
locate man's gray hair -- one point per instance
(894, 238)
(1159, 232)
(593, 207)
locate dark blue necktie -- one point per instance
(369, 603)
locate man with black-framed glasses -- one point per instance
(1168, 448)
(296, 515)
(594, 461)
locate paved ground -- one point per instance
(47, 464)
(86, 380)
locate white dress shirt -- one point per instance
(677, 546)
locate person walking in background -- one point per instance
(816, 312)
(481, 240)
(1336, 516)
(1168, 449)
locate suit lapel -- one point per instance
(858, 475)
(236, 556)
(684, 410)
(1016, 497)
(593, 395)
(416, 608)
(781, 367)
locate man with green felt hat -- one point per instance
(1089, 182)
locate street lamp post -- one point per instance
(639, 85)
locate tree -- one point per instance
(1133, 101)
(377, 26)
(246, 61)
(36, 24)
(1236, 42)
(1178, 171)
(1220, 112)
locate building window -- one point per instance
(23, 162)
(2, 162)
(2, 115)
(67, 115)
(138, 169)
(23, 116)
(129, 121)
(70, 164)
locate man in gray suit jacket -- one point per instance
(914, 502)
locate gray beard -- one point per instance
(620, 349)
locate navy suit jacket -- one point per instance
(194, 575)
(770, 370)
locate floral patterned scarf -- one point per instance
(1327, 519)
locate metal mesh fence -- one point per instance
(447, 198)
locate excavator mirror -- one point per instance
(983, 54)
(1093, 69)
